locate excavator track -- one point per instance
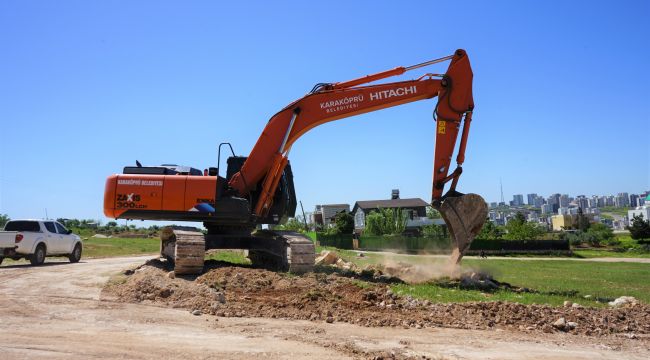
(286, 251)
(186, 249)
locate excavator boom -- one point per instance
(464, 215)
(330, 102)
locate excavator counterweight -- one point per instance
(258, 189)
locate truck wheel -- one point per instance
(75, 256)
(38, 257)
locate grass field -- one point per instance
(621, 211)
(553, 281)
(231, 256)
(96, 247)
(591, 253)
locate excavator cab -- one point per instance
(284, 199)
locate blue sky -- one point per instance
(88, 87)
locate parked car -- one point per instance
(36, 239)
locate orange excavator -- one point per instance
(259, 189)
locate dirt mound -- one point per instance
(229, 291)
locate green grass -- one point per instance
(625, 239)
(109, 247)
(592, 253)
(579, 278)
(622, 211)
(553, 281)
(231, 256)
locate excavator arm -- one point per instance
(463, 214)
(329, 102)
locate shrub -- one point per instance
(292, 224)
(375, 223)
(574, 239)
(603, 234)
(404, 243)
(519, 245)
(597, 234)
(639, 228)
(518, 230)
(344, 222)
(490, 231)
(386, 221)
(339, 241)
(434, 231)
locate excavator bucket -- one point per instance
(464, 216)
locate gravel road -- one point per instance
(55, 311)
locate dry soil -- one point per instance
(59, 311)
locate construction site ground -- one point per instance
(64, 310)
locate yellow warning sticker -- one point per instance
(442, 127)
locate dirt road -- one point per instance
(55, 311)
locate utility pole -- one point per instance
(304, 218)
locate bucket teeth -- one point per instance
(464, 216)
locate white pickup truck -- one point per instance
(36, 239)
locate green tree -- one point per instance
(434, 231)
(602, 234)
(4, 219)
(344, 222)
(519, 219)
(375, 223)
(639, 228)
(433, 213)
(582, 237)
(490, 231)
(386, 221)
(519, 229)
(397, 219)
